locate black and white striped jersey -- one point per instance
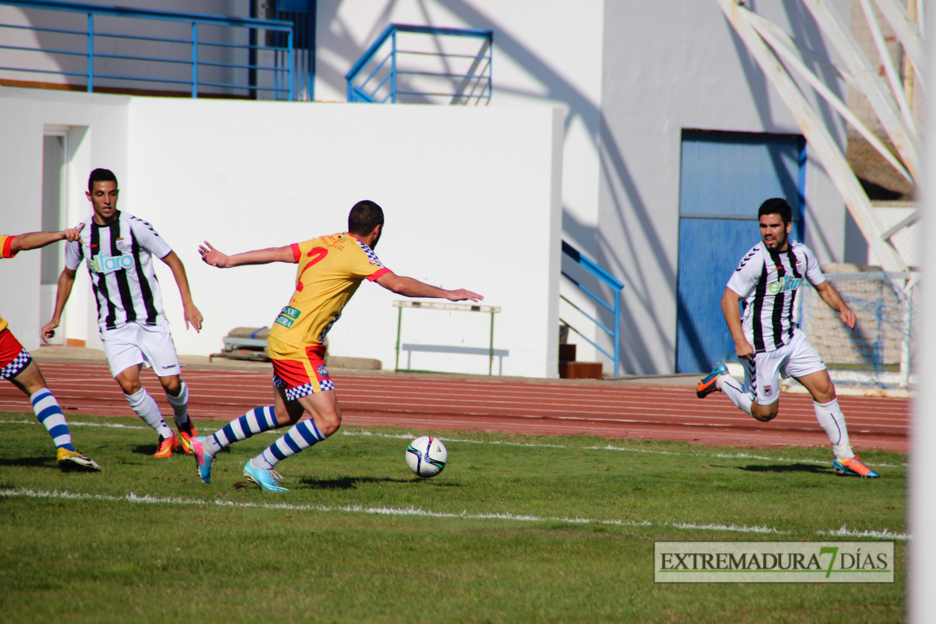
(120, 262)
(767, 283)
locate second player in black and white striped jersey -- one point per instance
(767, 282)
(767, 340)
(119, 257)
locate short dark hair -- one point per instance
(364, 217)
(100, 175)
(776, 205)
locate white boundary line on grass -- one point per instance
(73, 424)
(413, 511)
(409, 436)
(382, 511)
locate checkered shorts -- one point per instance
(293, 394)
(16, 367)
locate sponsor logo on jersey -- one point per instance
(287, 316)
(784, 284)
(109, 264)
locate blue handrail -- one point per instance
(615, 307)
(359, 91)
(282, 67)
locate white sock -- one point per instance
(180, 405)
(832, 421)
(732, 389)
(145, 407)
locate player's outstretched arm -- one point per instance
(409, 287)
(834, 300)
(35, 240)
(729, 305)
(261, 256)
(65, 283)
(192, 315)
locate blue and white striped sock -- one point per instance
(50, 415)
(300, 437)
(253, 422)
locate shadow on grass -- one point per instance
(30, 462)
(813, 468)
(351, 483)
(144, 449)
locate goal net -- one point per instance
(880, 353)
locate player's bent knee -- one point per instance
(764, 413)
(172, 385)
(765, 417)
(329, 422)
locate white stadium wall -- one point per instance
(471, 197)
(628, 78)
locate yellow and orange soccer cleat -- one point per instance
(185, 437)
(166, 446)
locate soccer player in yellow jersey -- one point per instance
(330, 269)
(18, 366)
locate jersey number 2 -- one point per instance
(317, 254)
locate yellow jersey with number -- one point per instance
(6, 251)
(330, 269)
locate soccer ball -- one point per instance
(426, 456)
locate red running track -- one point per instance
(430, 403)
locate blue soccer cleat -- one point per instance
(709, 384)
(853, 467)
(267, 479)
(203, 460)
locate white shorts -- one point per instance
(135, 343)
(762, 374)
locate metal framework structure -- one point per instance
(378, 80)
(614, 286)
(778, 55)
(187, 52)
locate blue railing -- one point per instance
(614, 307)
(193, 50)
(465, 74)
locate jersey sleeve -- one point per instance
(148, 238)
(369, 266)
(74, 254)
(6, 246)
(813, 272)
(745, 277)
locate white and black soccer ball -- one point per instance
(426, 456)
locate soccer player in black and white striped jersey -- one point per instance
(767, 340)
(118, 248)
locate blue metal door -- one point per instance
(724, 178)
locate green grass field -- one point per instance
(516, 529)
